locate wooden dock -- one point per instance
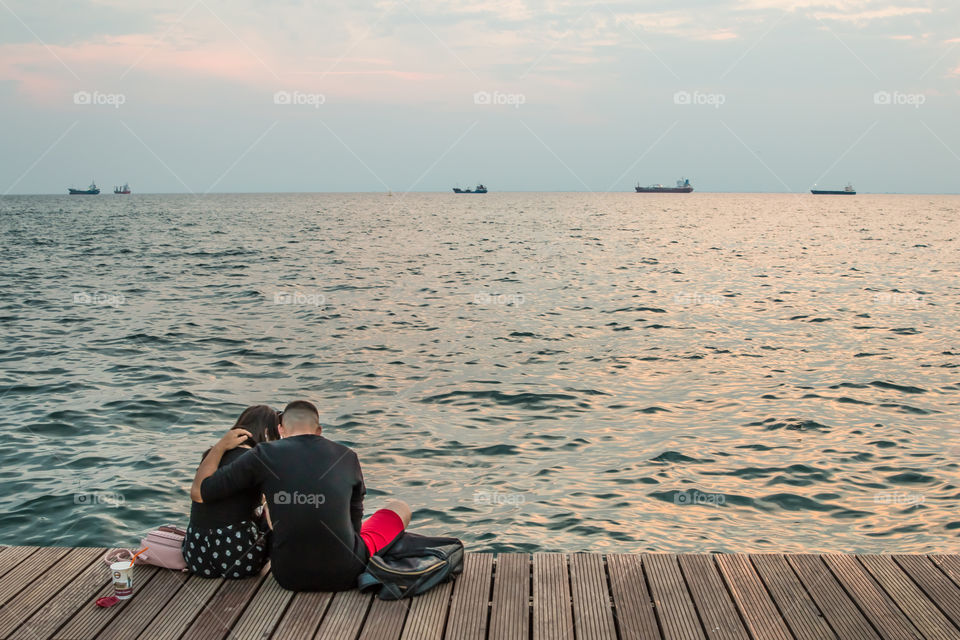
(49, 592)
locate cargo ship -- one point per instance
(479, 189)
(92, 190)
(683, 186)
(846, 191)
(124, 190)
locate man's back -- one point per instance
(314, 489)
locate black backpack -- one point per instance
(411, 565)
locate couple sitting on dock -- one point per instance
(274, 488)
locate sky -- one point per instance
(208, 96)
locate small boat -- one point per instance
(92, 190)
(124, 190)
(846, 191)
(683, 186)
(479, 189)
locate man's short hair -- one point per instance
(299, 407)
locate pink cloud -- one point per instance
(110, 64)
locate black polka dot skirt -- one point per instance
(232, 551)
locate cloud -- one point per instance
(871, 15)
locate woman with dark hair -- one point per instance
(227, 538)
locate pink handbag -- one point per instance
(164, 548)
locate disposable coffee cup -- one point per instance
(122, 579)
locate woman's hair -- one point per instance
(261, 421)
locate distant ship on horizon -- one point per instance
(683, 186)
(846, 191)
(479, 189)
(124, 190)
(92, 190)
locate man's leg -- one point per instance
(385, 525)
(400, 508)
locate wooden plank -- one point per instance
(937, 586)
(303, 616)
(788, 593)
(671, 600)
(471, 595)
(876, 605)
(32, 598)
(143, 608)
(176, 616)
(837, 608)
(758, 611)
(950, 565)
(345, 616)
(264, 611)
(428, 613)
(55, 613)
(30, 569)
(592, 613)
(87, 622)
(915, 605)
(217, 618)
(717, 612)
(552, 612)
(385, 620)
(49, 592)
(631, 601)
(10, 557)
(510, 605)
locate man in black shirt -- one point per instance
(314, 490)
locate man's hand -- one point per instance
(233, 439)
(230, 440)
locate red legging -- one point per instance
(381, 529)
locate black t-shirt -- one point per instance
(232, 509)
(314, 489)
